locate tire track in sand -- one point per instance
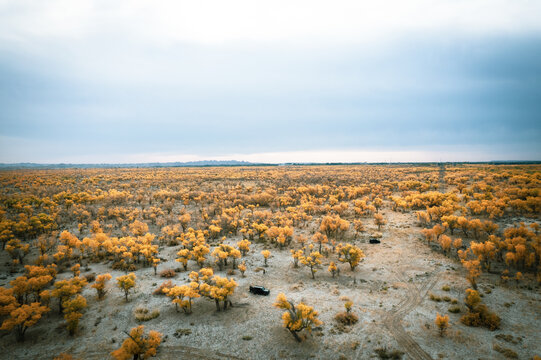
(393, 318)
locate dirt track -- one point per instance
(393, 318)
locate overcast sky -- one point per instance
(277, 81)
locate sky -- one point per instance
(93, 81)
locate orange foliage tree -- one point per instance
(379, 221)
(99, 284)
(22, 317)
(138, 345)
(126, 283)
(442, 322)
(350, 254)
(297, 317)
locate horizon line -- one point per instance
(238, 163)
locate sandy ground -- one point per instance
(389, 289)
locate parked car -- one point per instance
(259, 290)
(374, 241)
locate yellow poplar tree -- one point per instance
(137, 345)
(297, 318)
(296, 254)
(312, 261)
(242, 268)
(333, 269)
(244, 246)
(199, 253)
(72, 312)
(442, 322)
(350, 254)
(23, 317)
(126, 283)
(99, 284)
(320, 239)
(266, 254)
(182, 296)
(379, 221)
(183, 256)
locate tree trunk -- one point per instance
(295, 336)
(20, 333)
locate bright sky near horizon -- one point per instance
(284, 81)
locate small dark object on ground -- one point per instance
(182, 332)
(259, 290)
(374, 241)
(384, 353)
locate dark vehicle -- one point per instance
(374, 241)
(259, 290)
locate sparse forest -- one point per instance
(89, 254)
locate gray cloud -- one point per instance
(418, 92)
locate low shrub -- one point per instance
(481, 316)
(143, 314)
(346, 318)
(164, 285)
(384, 353)
(508, 353)
(122, 265)
(168, 273)
(508, 338)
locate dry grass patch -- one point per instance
(144, 314)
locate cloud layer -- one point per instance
(88, 81)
